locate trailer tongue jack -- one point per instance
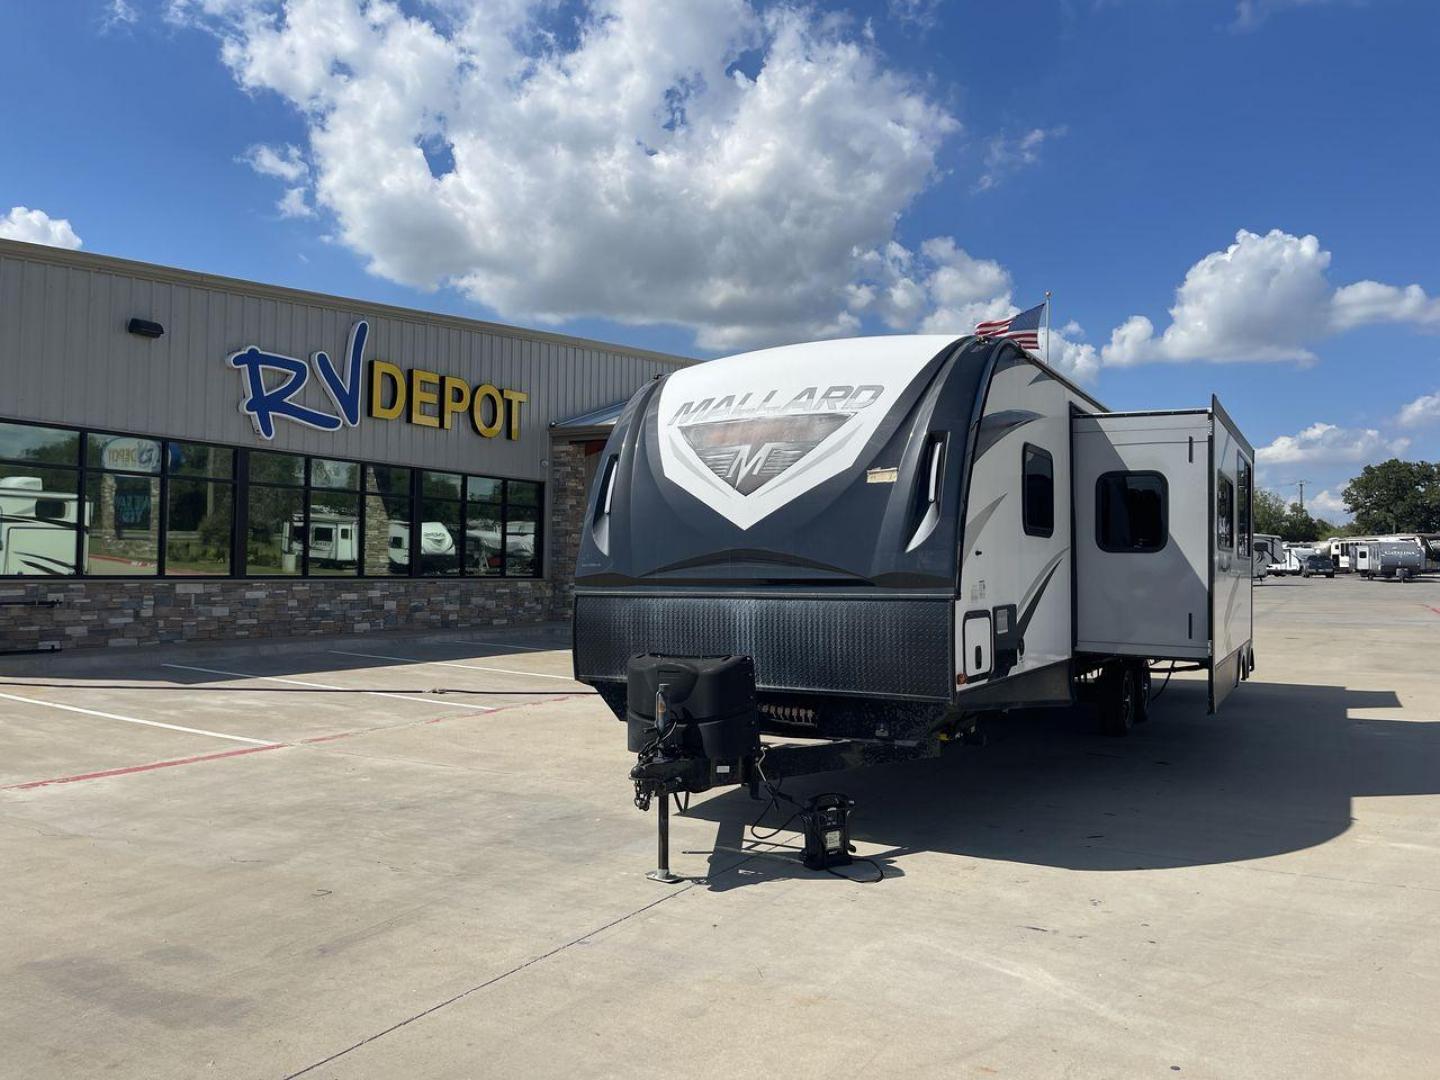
(694, 724)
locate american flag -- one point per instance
(1023, 329)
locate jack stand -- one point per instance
(662, 872)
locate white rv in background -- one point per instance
(1269, 557)
(903, 533)
(37, 527)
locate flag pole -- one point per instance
(1047, 326)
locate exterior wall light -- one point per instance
(145, 328)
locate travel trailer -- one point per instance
(37, 527)
(1389, 559)
(1269, 557)
(1343, 549)
(899, 535)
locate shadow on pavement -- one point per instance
(1274, 772)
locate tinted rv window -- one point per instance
(1131, 512)
(1243, 498)
(1038, 477)
(1225, 514)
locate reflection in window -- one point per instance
(124, 536)
(1242, 505)
(270, 468)
(197, 459)
(274, 535)
(123, 453)
(1038, 478)
(387, 520)
(40, 507)
(522, 528)
(334, 536)
(342, 475)
(38, 515)
(1131, 514)
(25, 442)
(441, 523)
(198, 528)
(1225, 514)
(484, 527)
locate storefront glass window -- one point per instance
(274, 541)
(484, 527)
(123, 453)
(199, 526)
(128, 506)
(197, 459)
(522, 528)
(51, 446)
(441, 523)
(387, 520)
(334, 533)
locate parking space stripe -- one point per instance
(135, 720)
(511, 645)
(332, 686)
(454, 663)
(128, 769)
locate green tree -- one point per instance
(1269, 512)
(1298, 527)
(1395, 496)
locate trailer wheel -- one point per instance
(1142, 698)
(1119, 697)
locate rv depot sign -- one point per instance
(424, 398)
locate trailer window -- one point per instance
(1132, 512)
(1038, 480)
(1243, 496)
(1225, 514)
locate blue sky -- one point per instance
(710, 198)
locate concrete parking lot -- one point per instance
(399, 856)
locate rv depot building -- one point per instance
(185, 457)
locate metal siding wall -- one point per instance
(69, 360)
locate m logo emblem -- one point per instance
(748, 454)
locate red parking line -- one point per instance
(140, 768)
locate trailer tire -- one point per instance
(1119, 694)
(1142, 698)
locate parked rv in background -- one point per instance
(1389, 559)
(1342, 549)
(1269, 556)
(37, 527)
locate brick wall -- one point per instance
(58, 613)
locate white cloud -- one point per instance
(1251, 13)
(293, 205)
(1423, 410)
(717, 164)
(38, 227)
(1327, 504)
(118, 13)
(920, 14)
(943, 289)
(1329, 444)
(1006, 154)
(1265, 298)
(281, 162)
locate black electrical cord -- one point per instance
(803, 812)
(292, 690)
(1156, 696)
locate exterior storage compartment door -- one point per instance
(979, 645)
